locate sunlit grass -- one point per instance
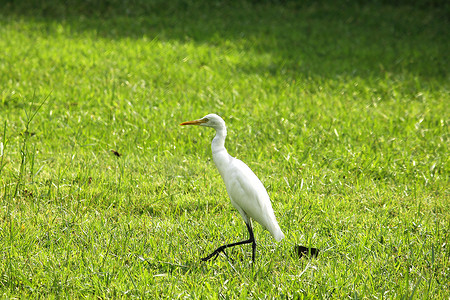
(343, 115)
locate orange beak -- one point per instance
(195, 122)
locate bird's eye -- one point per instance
(206, 120)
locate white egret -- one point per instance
(246, 192)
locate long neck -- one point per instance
(220, 155)
(218, 143)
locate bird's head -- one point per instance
(211, 120)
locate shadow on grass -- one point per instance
(321, 39)
(165, 267)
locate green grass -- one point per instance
(342, 111)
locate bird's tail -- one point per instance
(277, 233)
(274, 229)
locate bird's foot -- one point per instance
(306, 251)
(215, 254)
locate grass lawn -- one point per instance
(341, 110)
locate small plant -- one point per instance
(25, 154)
(3, 144)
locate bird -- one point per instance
(246, 192)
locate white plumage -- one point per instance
(246, 192)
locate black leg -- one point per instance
(222, 248)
